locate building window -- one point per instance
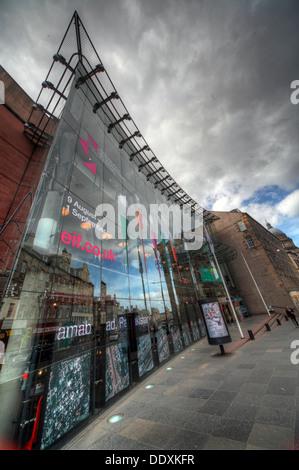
(242, 226)
(249, 241)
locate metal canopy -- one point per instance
(77, 49)
(224, 254)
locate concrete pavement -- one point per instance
(246, 399)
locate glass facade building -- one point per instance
(88, 311)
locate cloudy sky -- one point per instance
(208, 83)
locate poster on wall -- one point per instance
(143, 343)
(176, 338)
(162, 344)
(186, 334)
(144, 354)
(195, 331)
(68, 398)
(117, 370)
(216, 327)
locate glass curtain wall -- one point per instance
(88, 311)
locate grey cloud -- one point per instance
(206, 81)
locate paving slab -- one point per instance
(246, 399)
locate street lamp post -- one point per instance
(212, 249)
(229, 297)
(256, 285)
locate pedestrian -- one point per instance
(291, 314)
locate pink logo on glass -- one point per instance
(85, 144)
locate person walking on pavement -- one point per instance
(291, 314)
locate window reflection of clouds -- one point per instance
(116, 282)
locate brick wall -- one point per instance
(21, 165)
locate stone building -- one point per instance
(262, 269)
(293, 252)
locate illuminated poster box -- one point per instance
(217, 331)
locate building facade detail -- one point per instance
(267, 257)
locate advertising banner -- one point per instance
(209, 275)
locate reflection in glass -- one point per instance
(88, 310)
(117, 283)
(143, 337)
(117, 370)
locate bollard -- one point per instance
(251, 335)
(278, 321)
(267, 327)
